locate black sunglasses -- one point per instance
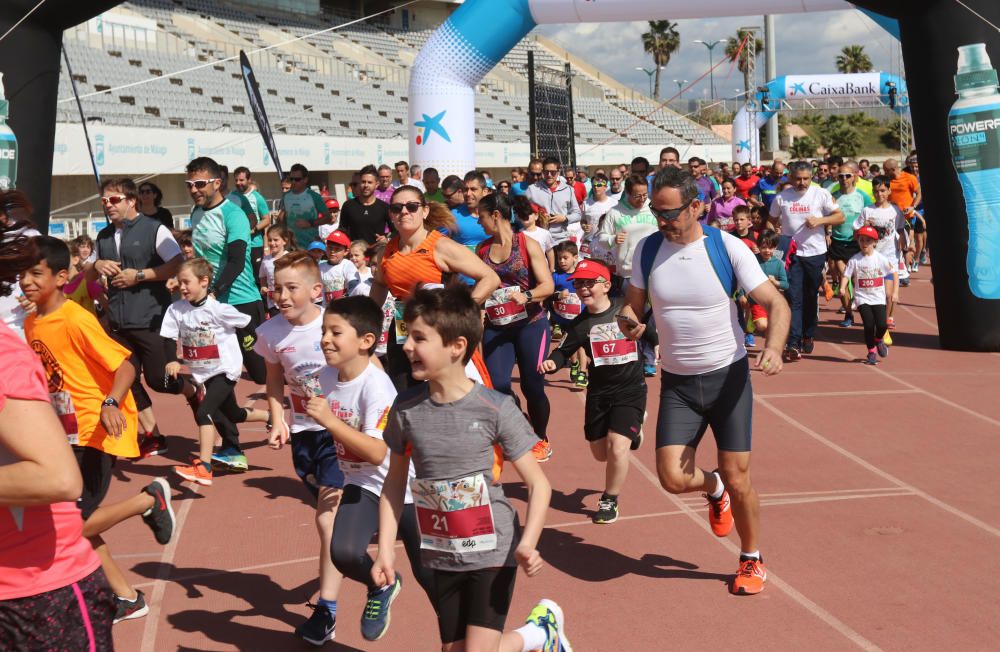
(586, 283)
(671, 214)
(410, 206)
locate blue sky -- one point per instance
(806, 43)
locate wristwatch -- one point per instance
(109, 402)
(527, 293)
(140, 275)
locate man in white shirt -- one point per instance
(705, 377)
(805, 210)
(403, 171)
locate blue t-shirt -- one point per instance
(520, 188)
(470, 233)
(562, 282)
(765, 190)
(211, 232)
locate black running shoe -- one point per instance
(160, 517)
(607, 511)
(129, 609)
(320, 628)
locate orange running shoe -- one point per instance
(749, 578)
(195, 473)
(542, 451)
(720, 514)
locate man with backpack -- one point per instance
(690, 273)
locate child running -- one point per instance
(359, 254)
(211, 349)
(536, 223)
(889, 225)
(566, 307)
(616, 397)
(89, 378)
(90, 294)
(772, 264)
(290, 346)
(470, 538)
(354, 408)
(279, 242)
(868, 272)
(339, 275)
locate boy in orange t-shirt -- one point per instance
(89, 376)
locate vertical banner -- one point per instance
(257, 104)
(8, 146)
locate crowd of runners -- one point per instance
(385, 333)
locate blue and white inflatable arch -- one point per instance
(747, 123)
(481, 32)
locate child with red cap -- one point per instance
(339, 275)
(616, 396)
(868, 271)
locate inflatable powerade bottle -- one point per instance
(8, 146)
(974, 127)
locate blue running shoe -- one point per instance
(549, 616)
(749, 339)
(649, 370)
(847, 323)
(234, 463)
(320, 628)
(375, 617)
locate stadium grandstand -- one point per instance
(160, 83)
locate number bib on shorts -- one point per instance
(62, 402)
(610, 346)
(304, 388)
(501, 309)
(454, 516)
(568, 308)
(199, 348)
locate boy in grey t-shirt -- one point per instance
(468, 531)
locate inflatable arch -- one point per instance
(747, 123)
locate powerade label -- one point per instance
(975, 140)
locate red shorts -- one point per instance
(757, 311)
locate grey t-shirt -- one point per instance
(454, 440)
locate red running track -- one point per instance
(879, 524)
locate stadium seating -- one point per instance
(347, 82)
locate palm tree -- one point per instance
(661, 41)
(852, 59)
(733, 47)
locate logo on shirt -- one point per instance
(53, 372)
(429, 126)
(285, 349)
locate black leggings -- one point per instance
(150, 354)
(256, 255)
(873, 317)
(254, 364)
(219, 408)
(356, 523)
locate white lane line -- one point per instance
(879, 472)
(155, 600)
(923, 391)
(914, 314)
(835, 623)
(869, 392)
(838, 625)
(801, 500)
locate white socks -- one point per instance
(533, 635)
(719, 487)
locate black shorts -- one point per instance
(480, 598)
(75, 617)
(96, 467)
(722, 399)
(918, 226)
(621, 412)
(843, 251)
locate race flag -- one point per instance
(253, 92)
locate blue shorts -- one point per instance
(315, 458)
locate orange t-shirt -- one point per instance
(80, 361)
(902, 189)
(403, 272)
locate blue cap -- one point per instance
(316, 244)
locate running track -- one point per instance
(880, 525)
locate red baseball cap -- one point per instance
(332, 203)
(590, 269)
(868, 231)
(340, 238)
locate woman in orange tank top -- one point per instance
(420, 255)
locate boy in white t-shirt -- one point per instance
(211, 349)
(290, 346)
(339, 275)
(868, 272)
(354, 408)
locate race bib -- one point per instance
(401, 332)
(333, 295)
(388, 313)
(870, 282)
(199, 348)
(454, 515)
(610, 346)
(568, 308)
(585, 249)
(501, 309)
(63, 404)
(303, 389)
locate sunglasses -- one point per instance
(671, 214)
(600, 184)
(845, 176)
(410, 206)
(550, 173)
(586, 283)
(534, 174)
(112, 200)
(199, 183)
